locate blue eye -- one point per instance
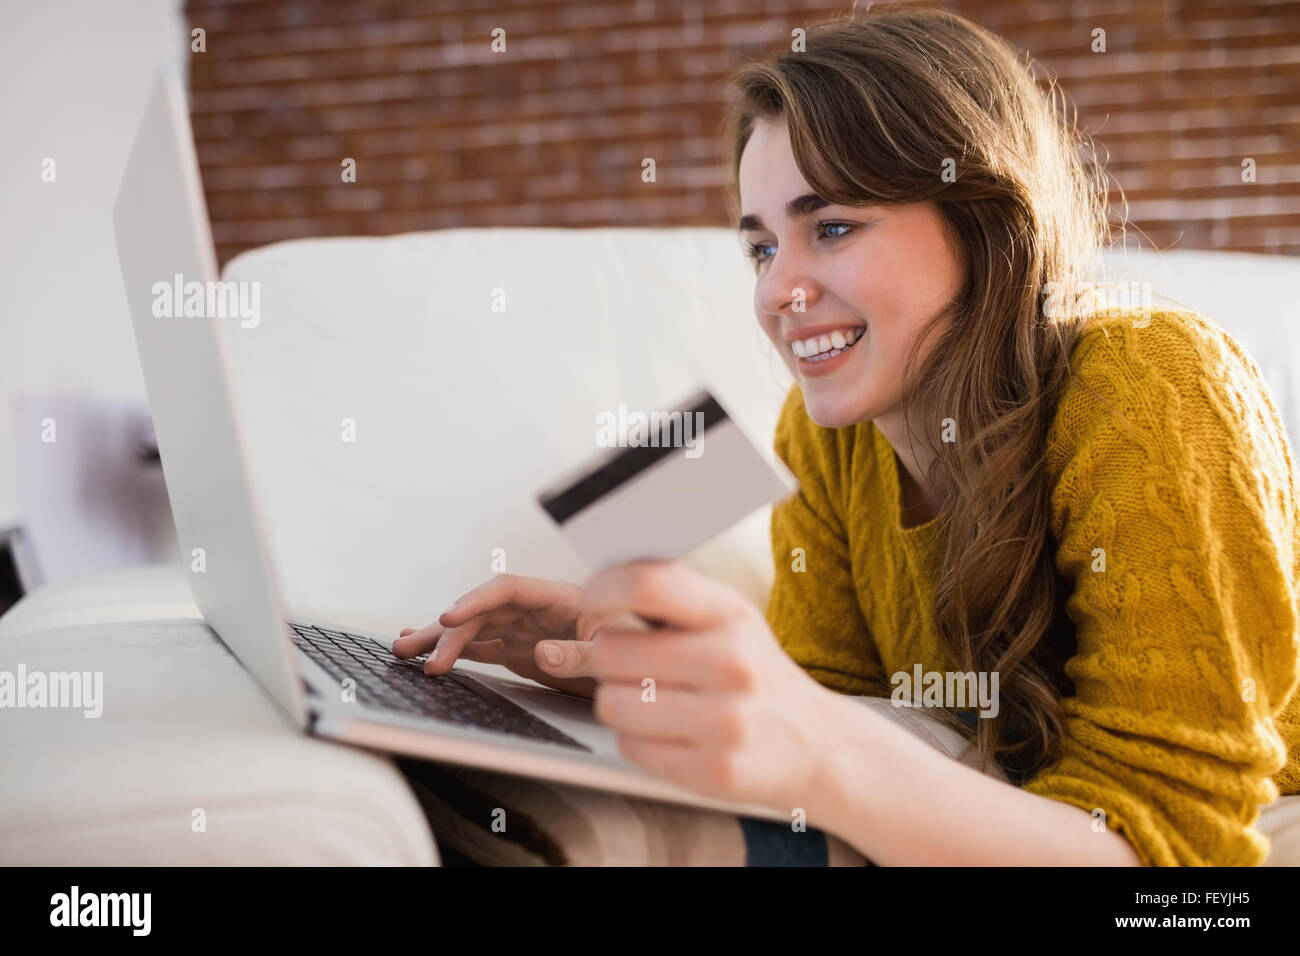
(753, 249)
(832, 225)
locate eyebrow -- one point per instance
(802, 206)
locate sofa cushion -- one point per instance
(182, 728)
(461, 414)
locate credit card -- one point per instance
(669, 487)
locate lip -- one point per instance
(807, 332)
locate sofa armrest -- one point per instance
(187, 762)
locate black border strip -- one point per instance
(626, 465)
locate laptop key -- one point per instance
(390, 683)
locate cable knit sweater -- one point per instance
(1184, 715)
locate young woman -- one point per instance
(1097, 507)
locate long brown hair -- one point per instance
(875, 105)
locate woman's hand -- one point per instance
(707, 698)
(501, 622)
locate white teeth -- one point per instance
(823, 347)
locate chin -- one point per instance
(835, 411)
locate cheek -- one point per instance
(910, 279)
(897, 297)
(870, 289)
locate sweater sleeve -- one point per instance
(1176, 525)
(813, 607)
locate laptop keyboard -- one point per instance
(401, 685)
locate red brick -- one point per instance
(445, 133)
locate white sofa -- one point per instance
(461, 415)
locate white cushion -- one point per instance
(464, 414)
(182, 728)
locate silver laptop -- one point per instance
(477, 715)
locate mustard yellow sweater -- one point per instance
(1189, 487)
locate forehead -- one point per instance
(768, 174)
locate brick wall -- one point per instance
(552, 132)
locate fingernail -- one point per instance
(554, 656)
(450, 609)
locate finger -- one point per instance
(451, 645)
(660, 590)
(670, 713)
(698, 660)
(420, 641)
(425, 639)
(573, 658)
(414, 642)
(523, 592)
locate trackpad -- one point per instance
(568, 712)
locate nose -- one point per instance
(787, 286)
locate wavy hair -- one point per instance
(875, 105)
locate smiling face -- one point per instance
(871, 276)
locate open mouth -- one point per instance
(819, 348)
